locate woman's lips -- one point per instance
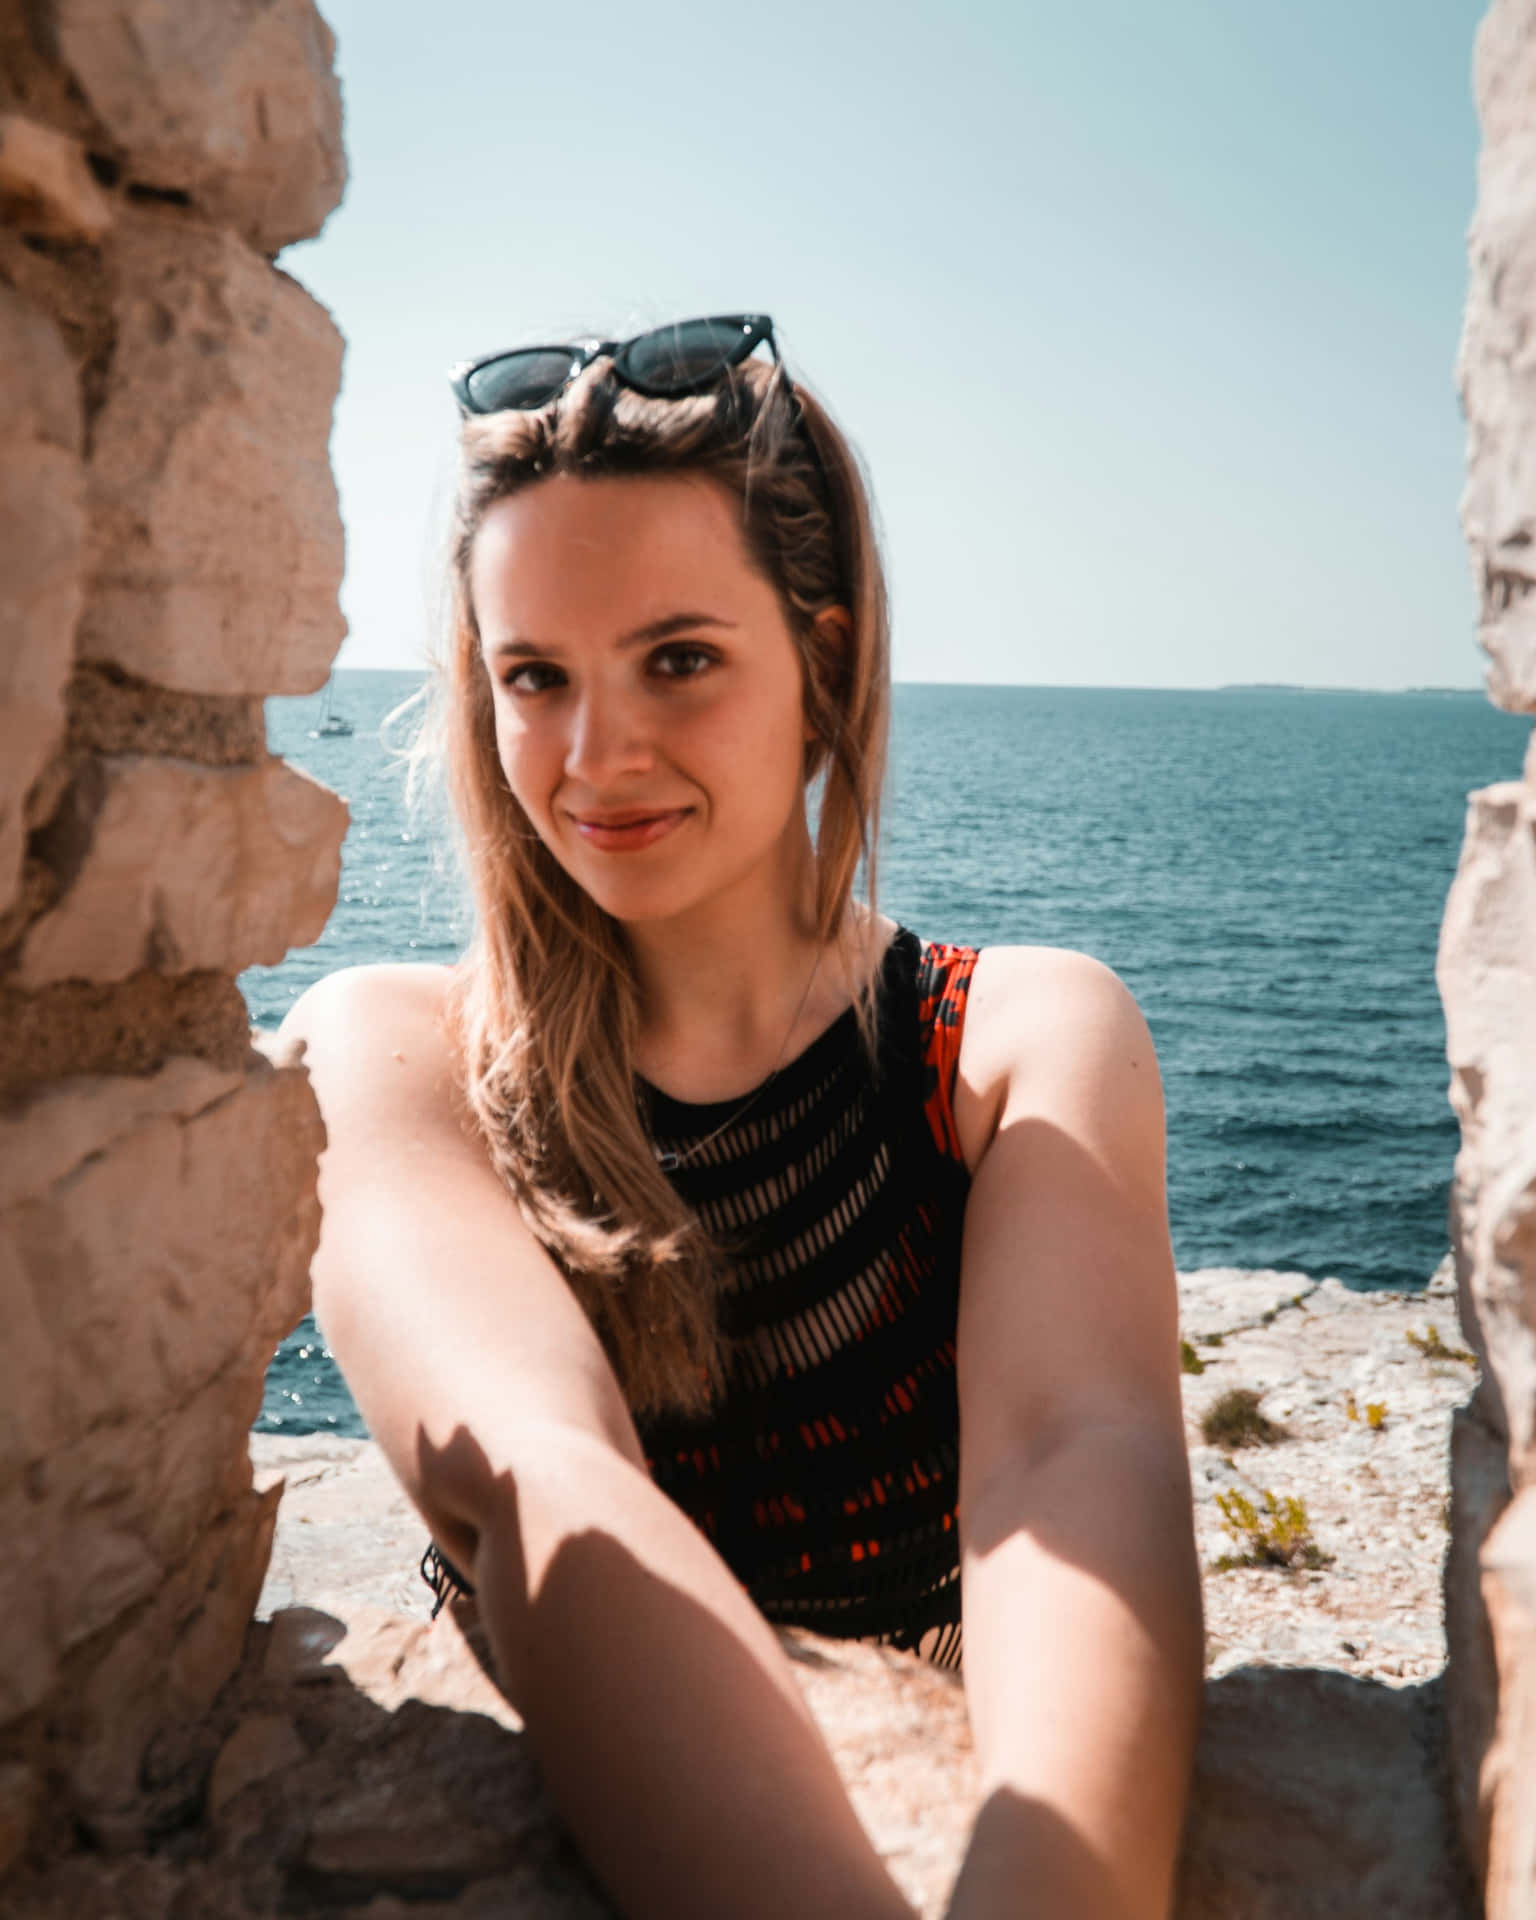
(629, 831)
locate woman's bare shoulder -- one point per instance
(369, 1007)
(1049, 1018)
(377, 1043)
(1013, 984)
(389, 996)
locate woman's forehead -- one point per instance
(545, 555)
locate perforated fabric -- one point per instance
(826, 1474)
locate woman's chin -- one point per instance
(637, 899)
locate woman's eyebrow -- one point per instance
(516, 647)
(511, 646)
(664, 629)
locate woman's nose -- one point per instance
(607, 740)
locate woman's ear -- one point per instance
(827, 668)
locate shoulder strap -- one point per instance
(943, 982)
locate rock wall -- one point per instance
(170, 551)
(1487, 973)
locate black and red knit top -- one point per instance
(826, 1472)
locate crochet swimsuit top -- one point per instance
(826, 1471)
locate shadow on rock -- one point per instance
(361, 1764)
(1320, 1796)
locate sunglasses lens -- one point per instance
(521, 379)
(677, 358)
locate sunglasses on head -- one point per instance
(664, 363)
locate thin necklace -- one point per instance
(669, 1162)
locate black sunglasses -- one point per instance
(663, 363)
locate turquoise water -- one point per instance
(1265, 869)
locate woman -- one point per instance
(704, 1249)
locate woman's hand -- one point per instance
(1083, 1636)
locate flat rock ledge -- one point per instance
(361, 1765)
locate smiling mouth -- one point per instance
(633, 827)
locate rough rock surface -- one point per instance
(215, 537)
(42, 528)
(1479, 1496)
(147, 1275)
(1487, 977)
(1318, 1796)
(80, 1027)
(1495, 372)
(1509, 1591)
(1376, 1497)
(178, 867)
(46, 184)
(235, 107)
(170, 552)
(366, 1766)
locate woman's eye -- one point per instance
(683, 662)
(535, 677)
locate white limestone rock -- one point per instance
(1496, 371)
(235, 105)
(215, 536)
(1487, 976)
(42, 528)
(1509, 1767)
(46, 185)
(178, 866)
(148, 1276)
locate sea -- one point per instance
(1266, 868)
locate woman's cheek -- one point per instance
(517, 748)
(734, 728)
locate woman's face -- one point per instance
(649, 709)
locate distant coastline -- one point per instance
(1293, 686)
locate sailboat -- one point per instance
(333, 725)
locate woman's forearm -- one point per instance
(663, 1710)
(1084, 1656)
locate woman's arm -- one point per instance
(665, 1715)
(1084, 1649)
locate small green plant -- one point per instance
(1278, 1535)
(1212, 1339)
(1433, 1347)
(1189, 1360)
(1234, 1420)
(1375, 1412)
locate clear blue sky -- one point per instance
(1144, 316)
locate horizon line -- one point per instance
(1079, 686)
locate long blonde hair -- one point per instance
(545, 1002)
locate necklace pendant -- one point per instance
(667, 1160)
